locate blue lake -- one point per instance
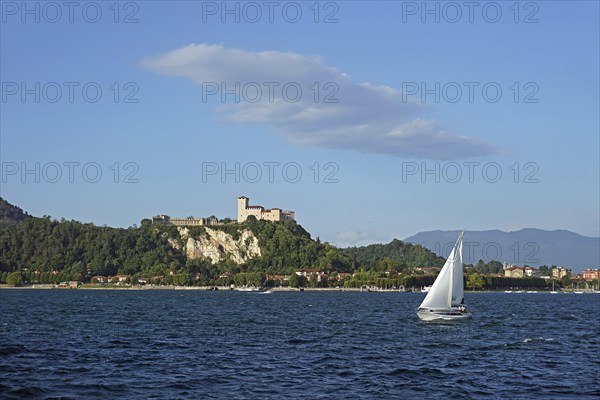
(336, 345)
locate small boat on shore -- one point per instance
(254, 289)
(248, 289)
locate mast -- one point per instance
(450, 286)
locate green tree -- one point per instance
(293, 281)
(297, 281)
(475, 281)
(181, 279)
(565, 281)
(14, 279)
(313, 280)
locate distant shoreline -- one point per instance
(201, 288)
(276, 289)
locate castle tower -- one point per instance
(242, 206)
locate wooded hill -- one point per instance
(83, 250)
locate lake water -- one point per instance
(336, 345)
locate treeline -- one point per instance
(70, 247)
(492, 267)
(494, 282)
(477, 281)
(396, 256)
(383, 281)
(42, 277)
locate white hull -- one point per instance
(450, 314)
(248, 289)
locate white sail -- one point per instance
(458, 291)
(447, 290)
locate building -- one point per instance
(99, 279)
(309, 272)
(559, 272)
(591, 274)
(427, 270)
(343, 275)
(529, 271)
(259, 212)
(189, 221)
(118, 279)
(278, 279)
(68, 285)
(514, 272)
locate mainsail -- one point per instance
(447, 290)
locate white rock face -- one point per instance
(221, 245)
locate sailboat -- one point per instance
(445, 299)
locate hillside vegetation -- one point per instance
(49, 251)
(9, 214)
(79, 251)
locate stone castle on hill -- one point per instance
(274, 214)
(244, 210)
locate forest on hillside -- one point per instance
(48, 250)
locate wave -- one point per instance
(538, 340)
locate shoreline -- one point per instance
(275, 289)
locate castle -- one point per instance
(274, 214)
(244, 211)
(190, 221)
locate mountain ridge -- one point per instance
(531, 246)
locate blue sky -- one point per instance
(402, 90)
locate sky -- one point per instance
(371, 120)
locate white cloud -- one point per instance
(367, 118)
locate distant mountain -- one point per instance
(9, 214)
(529, 246)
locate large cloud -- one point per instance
(367, 118)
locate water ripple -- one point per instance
(165, 344)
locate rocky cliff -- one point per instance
(218, 245)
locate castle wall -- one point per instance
(275, 214)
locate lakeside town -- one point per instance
(316, 279)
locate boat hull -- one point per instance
(450, 314)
